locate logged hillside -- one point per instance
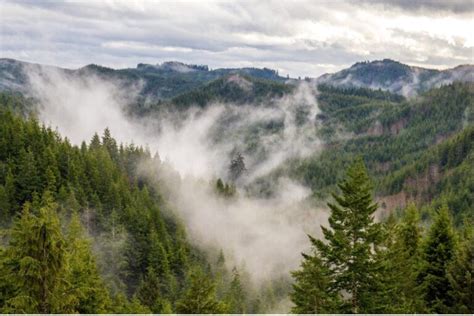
(393, 136)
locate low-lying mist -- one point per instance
(263, 234)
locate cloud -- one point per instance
(302, 38)
(432, 6)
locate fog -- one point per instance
(264, 235)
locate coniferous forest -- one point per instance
(288, 165)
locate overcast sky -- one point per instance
(302, 38)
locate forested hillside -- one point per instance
(412, 148)
(99, 226)
(396, 77)
(154, 82)
(82, 233)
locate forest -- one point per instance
(84, 232)
(237, 157)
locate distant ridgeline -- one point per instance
(156, 82)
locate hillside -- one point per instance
(396, 77)
(393, 136)
(248, 154)
(154, 82)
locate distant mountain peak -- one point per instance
(396, 77)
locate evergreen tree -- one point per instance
(10, 190)
(36, 262)
(237, 167)
(158, 261)
(4, 204)
(87, 286)
(438, 252)
(461, 275)
(199, 296)
(122, 306)
(27, 180)
(401, 264)
(352, 242)
(312, 293)
(236, 296)
(150, 295)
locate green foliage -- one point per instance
(36, 263)
(460, 274)
(235, 88)
(199, 296)
(89, 291)
(312, 292)
(420, 146)
(225, 190)
(350, 251)
(124, 214)
(401, 262)
(236, 296)
(437, 253)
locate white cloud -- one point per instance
(297, 37)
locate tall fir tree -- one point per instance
(91, 295)
(36, 263)
(149, 293)
(401, 258)
(312, 292)
(461, 274)
(235, 297)
(438, 252)
(352, 241)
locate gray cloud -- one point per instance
(304, 37)
(438, 6)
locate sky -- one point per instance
(299, 38)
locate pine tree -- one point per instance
(461, 275)
(401, 264)
(158, 260)
(95, 142)
(27, 179)
(122, 306)
(36, 262)
(150, 295)
(312, 293)
(352, 241)
(110, 144)
(236, 296)
(438, 252)
(10, 190)
(4, 204)
(237, 167)
(199, 296)
(87, 286)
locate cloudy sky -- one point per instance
(302, 38)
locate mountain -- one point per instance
(172, 79)
(156, 82)
(396, 77)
